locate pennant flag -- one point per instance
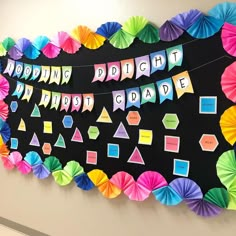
(55, 75)
(136, 157)
(60, 142)
(66, 74)
(127, 69)
(22, 126)
(76, 102)
(175, 56)
(45, 99)
(165, 89)
(142, 66)
(88, 102)
(45, 74)
(148, 92)
(28, 92)
(99, 72)
(113, 71)
(27, 71)
(158, 60)
(34, 141)
(36, 111)
(35, 72)
(77, 137)
(118, 100)
(133, 97)
(65, 101)
(182, 83)
(104, 116)
(55, 101)
(19, 89)
(121, 132)
(18, 69)
(10, 67)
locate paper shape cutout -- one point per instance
(33, 158)
(99, 72)
(22, 126)
(28, 92)
(118, 100)
(15, 53)
(104, 116)
(182, 83)
(142, 66)
(228, 35)
(76, 102)
(137, 192)
(93, 132)
(108, 29)
(113, 71)
(88, 102)
(27, 71)
(55, 101)
(175, 56)
(47, 127)
(73, 168)
(55, 75)
(208, 142)
(149, 34)
(121, 132)
(14, 143)
(18, 69)
(10, 67)
(133, 97)
(218, 197)
(77, 136)
(145, 137)
(24, 167)
(98, 177)
(31, 52)
(34, 141)
(35, 112)
(136, 157)
(14, 106)
(4, 110)
(127, 69)
(165, 89)
(122, 180)
(148, 92)
(133, 118)
(36, 70)
(84, 182)
(51, 50)
(4, 87)
(61, 177)
(19, 89)
(208, 105)
(67, 121)
(158, 61)
(60, 142)
(40, 171)
(47, 148)
(52, 163)
(40, 42)
(109, 190)
(170, 121)
(113, 150)
(45, 98)
(167, 196)
(45, 74)
(169, 32)
(181, 167)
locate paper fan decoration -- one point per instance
(137, 192)
(186, 19)
(3, 51)
(226, 168)
(167, 196)
(81, 33)
(60, 38)
(15, 53)
(15, 157)
(224, 11)
(22, 44)
(31, 52)
(205, 27)
(4, 130)
(40, 42)
(227, 125)
(217, 196)
(108, 29)
(228, 36)
(84, 182)
(203, 208)
(4, 87)
(4, 109)
(8, 43)
(121, 39)
(61, 177)
(186, 188)
(98, 177)
(134, 25)
(4, 151)
(73, 168)
(170, 32)
(149, 34)
(52, 163)
(51, 50)
(71, 46)
(40, 171)
(24, 167)
(7, 164)
(152, 180)
(122, 180)
(33, 158)
(109, 190)
(232, 196)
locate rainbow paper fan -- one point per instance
(40, 42)
(228, 36)
(149, 34)
(227, 125)
(8, 43)
(4, 109)
(24, 167)
(33, 158)
(98, 177)
(31, 52)
(137, 192)
(4, 131)
(73, 168)
(40, 171)
(51, 50)
(15, 53)
(217, 196)
(108, 29)
(61, 177)
(122, 180)
(83, 181)
(52, 163)
(109, 190)
(3, 51)
(205, 27)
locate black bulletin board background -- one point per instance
(205, 80)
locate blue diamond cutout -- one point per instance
(67, 121)
(14, 106)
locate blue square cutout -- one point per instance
(181, 167)
(113, 150)
(14, 143)
(208, 105)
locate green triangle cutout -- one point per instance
(35, 112)
(60, 142)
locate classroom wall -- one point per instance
(60, 211)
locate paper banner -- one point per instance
(165, 89)
(65, 101)
(148, 93)
(158, 61)
(175, 56)
(18, 69)
(76, 102)
(99, 72)
(113, 71)
(28, 92)
(127, 69)
(45, 99)
(88, 102)
(66, 74)
(118, 100)
(19, 89)
(45, 74)
(10, 67)
(133, 97)
(27, 71)
(55, 101)
(55, 75)
(142, 66)
(182, 83)
(36, 72)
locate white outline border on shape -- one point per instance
(174, 170)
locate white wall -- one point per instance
(60, 211)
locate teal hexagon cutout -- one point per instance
(93, 132)
(170, 121)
